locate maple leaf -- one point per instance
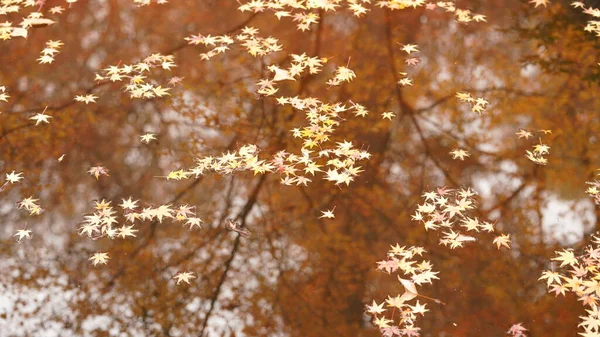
(464, 96)
(539, 2)
(184, 211)
(162, 211)
(502, 240)
(412, 61)
(375, 308)
(56, 10)
(146, 138)
(396, 302)
(591, 321)
(479, 18)
(551, 277)
(184, 277)
(168, 64)
(328, 214)
(517, 330)
(99, 258)
(342, 74)
(419, 308)
(194, 222)
(177, 175)
(86, 98)
(23, 233)
(388, 115)
(424, 277)
(455, 240)
(566, 257)
(18, 31)
(235, 226)
(524, 134)
(129, 203)
(175, 80)
(411, 291)
(88, 229)
(41, 117)
(102, 205)
(382, 322)
(536, 158)
(357, 9)
(28, 203)
(388, 266)
(410, 331)
(97, 171)
(541, 149)
(160, 91)
(13, 177)
(391, 331)
(45, 59)
(3, 95)
(459, 154)
(405, 81)
(578, 4)
(280, 74)
(558, 289)
(36, 22)
(126, 231)
(487, 226)
(410, 48)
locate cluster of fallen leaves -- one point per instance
(404, 79)
(537, 155)
(306, 13)
(400, 315)
(592, 26)
(448, 209)
(478, 104)
(579, 272)
(248, 38)
(47, 55)
(298, 65)
(138, 86)
(105, 221)
(539, 150)
(294, 168)
(34, 19)
(410, 61)
(580, 275)
(594, 190)
(31, 205)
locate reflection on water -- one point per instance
(188, 169)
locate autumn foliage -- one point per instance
(299, 168)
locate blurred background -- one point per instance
(297, 274)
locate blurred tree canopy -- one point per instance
(299, 273)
